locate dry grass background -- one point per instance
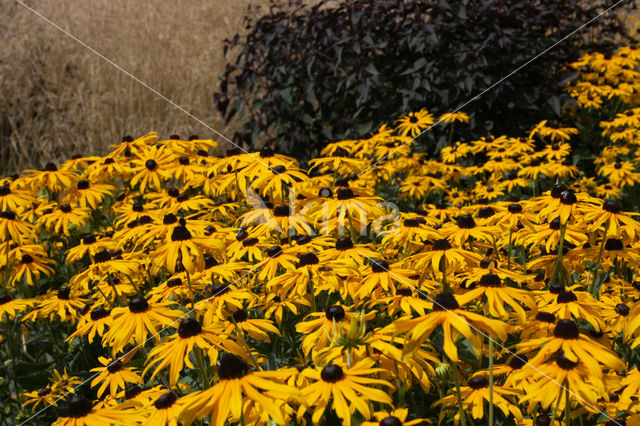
(58, 98)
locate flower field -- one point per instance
(495, 284)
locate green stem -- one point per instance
(592, 285)
(463, 419)
(567, 405)
(314, 307)
(203, 368)
(509, 249)
(558, 266)
(490, 381)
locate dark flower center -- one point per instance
(174, 282)
(108, 161)
(169, 219)
(415, 222)
(566, 297)
(66, 208)
(50, 167)
(138, 305)
(274, 251)
(63, 293)
(209, 261)
(556, 288)
(345, 194)
(114, 366)
(616, 422)
(184, 161)
(26, 259)
(78, 406)
(445, 302)
(5, 298)
(478, 382)
(486, 212)
(568, 197)
(565, 363)
(307, 259)
(514, 208)
(546, 317)
(5, 190)
(490, 280)
(150, 165)
(334, 313)
(173, 192)
(486, 262)
(102, 256)
(137, 207)
(442, 244)
(99, 313)
(165, 400)
(611, 206)
(281, 211)
(240, 315)
(189, 328)
(83, 184)
(466, 222)
(618, 165)
(566, 329)
(518, 361)
(88, 239)
(266, 152)
(613, 244)
(557, 190)
(379, 266)
(543, 420)
(219, 289)
(180, 233)
(132, 391)
(344, 243)
(622, 309)
(250, 242)
(390, 421)
(413, 119)
(8, 214)
(555, 224)
(231, 367)
(241, 235)
(44, 391)
(403, 291)
(332, 373)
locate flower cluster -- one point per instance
(375, 285)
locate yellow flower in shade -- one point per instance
(545, 384)
(174, 352)
(350, 388)
(455, 322)
(88, 194)
(114, 375)
(443, 257)
(235, 386)
(476, 394)
(164, 410)
(397, 417)
(576, 348)
(132, 324)
(50, 178)
(46, 396)
(94, 322)
(10, 307)
(381, 278)
(239, 322)
(14, 198)
(64, 219)
(62, 304)
(149, 168)
(414, 122)
(184, 247)
(34, 263)
(80, 412)
(452, 117)
(11, 227)
(613, 219)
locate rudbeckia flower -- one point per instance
(164, 410)
(50, 178)
(476, 394)
(114, 375)
(80, 412)
(413, 123)
(175, 352)
(10, 307)
(94, 322)
(132, 324)
(350, 388)
(12, 227)
(235, 386)
(64, 219)
(447, 313)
